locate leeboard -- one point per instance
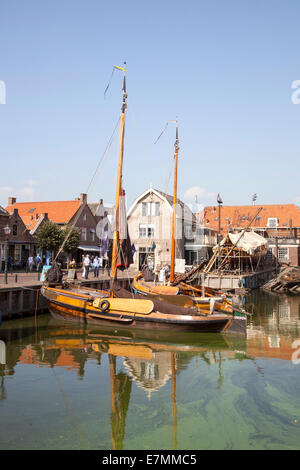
(127, 305)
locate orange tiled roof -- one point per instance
(240, 216)
(60, 212)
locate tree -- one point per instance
(48, 236)
(70, 236)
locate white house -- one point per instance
(150, 227)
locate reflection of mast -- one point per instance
(174, 400)
(2, 388)
(120, 386)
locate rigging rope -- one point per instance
(104, 155)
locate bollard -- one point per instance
(16, 278)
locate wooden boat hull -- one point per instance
(189, 298)
(71, 306)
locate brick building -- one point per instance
(76, 212)
(278, 223)
(20, 241)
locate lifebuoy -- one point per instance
(104, 306)
(103, 347)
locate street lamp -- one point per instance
(7, 231)
(219, 201)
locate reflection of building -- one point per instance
(280, 328)
(151, 374)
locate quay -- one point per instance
(238, 282)
(21, 297)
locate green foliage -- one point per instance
(72, 236)
(50, 237)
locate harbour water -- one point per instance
(68, 387)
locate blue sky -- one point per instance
(225, 68)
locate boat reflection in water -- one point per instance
(150, 363)
(154, 362)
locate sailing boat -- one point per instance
(120, 307)
(205, 299)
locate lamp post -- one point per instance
(219, 201)
(7, 233)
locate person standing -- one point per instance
(38, 261)
(86, 265)
(101, 263)
(108, 265)
(30, 263)
(96, 264)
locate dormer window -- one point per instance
(272, 222)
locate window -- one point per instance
(150, 208)
(92, 232)
(146, 231)
(15, 229)
(283, 254)
(188, 231)
(84, 217)
(83, 234)
(272, 222)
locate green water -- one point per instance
(69, 387)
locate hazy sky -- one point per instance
(224, 67)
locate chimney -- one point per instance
(100, 202)
(11, 201)
(83, 198)
(16, 212)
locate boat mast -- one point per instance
(173, 248)
(119, 177)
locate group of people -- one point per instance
(34, 261)
(95, 263)
(161, 273)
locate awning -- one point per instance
(89, 248)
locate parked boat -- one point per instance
(119, 306)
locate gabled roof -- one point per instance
(60, 212)
(240, 216)
(165, 197)
(99, 209)
(3, 211)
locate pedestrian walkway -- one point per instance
(16, 279)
